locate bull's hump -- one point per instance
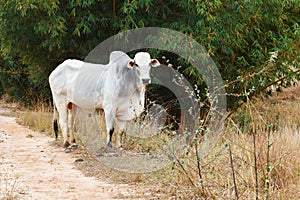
(73, 63)
(117, 55)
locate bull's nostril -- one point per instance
(146, 81)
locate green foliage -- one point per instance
(255, 44)
(38, 35)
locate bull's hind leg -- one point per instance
(64, 127)
(71, 114)
(63, 120)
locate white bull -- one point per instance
(118, 88)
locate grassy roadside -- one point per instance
(39, 119)
(258, 156)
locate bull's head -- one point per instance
(143, 63)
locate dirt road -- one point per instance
(30, 168)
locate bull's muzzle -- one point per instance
(146, 81)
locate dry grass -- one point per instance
(258, 156)
(40, 118)
(276, 163)
(263, 141)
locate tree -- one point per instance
(254, 43)
(38, 35)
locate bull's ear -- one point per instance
(155, 63)
(131, 64)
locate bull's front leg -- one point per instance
(109, 122)
(121, 125)
(109, 138)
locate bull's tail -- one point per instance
(55, 124)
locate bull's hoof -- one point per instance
(67, 150)
(67, 144)
(79, 160)
(74, 146)
(109, 145)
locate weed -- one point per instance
(39, 119)
(258, 155)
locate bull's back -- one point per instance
(59, 78)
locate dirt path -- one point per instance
(30, 168)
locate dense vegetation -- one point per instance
(254, 43)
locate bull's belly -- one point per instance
(85, 104)
(128, 114)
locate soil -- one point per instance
(33, 166)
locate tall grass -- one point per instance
(38, 118)
(257, 157)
